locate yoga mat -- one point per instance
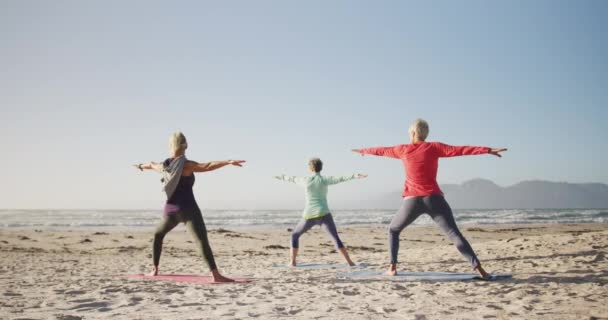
(321, 266)
(420, 276)
(190, 278)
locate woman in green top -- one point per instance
(317, 211)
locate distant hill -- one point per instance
(485, 194)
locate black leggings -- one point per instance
(194, 222)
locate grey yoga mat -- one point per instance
(322, 266)
(419, 276)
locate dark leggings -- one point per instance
(440, 211)
(326, 221)
(195, 224)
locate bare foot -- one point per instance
(217, 277)
(154, 272)
(392, 270)
(344, 253)
(293, 257)
(221, 278)
(482, 273)
(292, 264)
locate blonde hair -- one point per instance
(177, 142)
(420, 128)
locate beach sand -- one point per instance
(559, 272)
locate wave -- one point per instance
(70, 219)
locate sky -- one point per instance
(89, 88)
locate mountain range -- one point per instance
(537, 194)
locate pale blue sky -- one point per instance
(88, 88)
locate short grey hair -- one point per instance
(316, 164)
(177, 142)
(421, 128)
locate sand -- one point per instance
(559, 272)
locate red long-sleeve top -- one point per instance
(421, 161)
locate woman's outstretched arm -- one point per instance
(335, 180)
(391, 152)
(210, 166)
(292, 179)
(445, 150)
(158, 167)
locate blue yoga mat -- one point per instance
(322, 266)
(419, 276)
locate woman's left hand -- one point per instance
(497, 151)
(238, 163)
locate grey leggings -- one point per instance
(326, 221)
(440, 211)
(195, 224)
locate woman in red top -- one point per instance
(422, 193)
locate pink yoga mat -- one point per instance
(190, 278)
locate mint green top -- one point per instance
(316, 192)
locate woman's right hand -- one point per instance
(361, 175)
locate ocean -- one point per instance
(146, 219)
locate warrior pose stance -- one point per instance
(317, 210)
(178, 178)
(422, 193)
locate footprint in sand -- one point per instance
(99, 306)
(387, 310)
(81, 300)
(75, 292)
(112, 289)
(135, 300)
(172, 291)
(350, 292)
(67, 317)
(294, 311)
(193, 304)
(495, 307)
(163, 301)
(275, 246)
